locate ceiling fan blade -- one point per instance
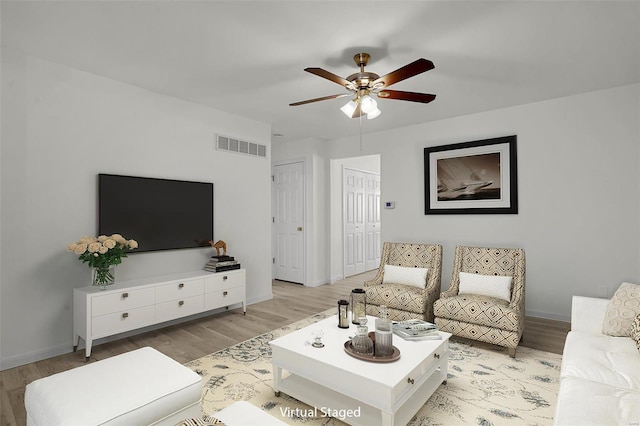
(330, 76)
(414, 68)
(406, 96)
(324, 98)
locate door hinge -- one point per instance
(273, 219)
(273, 260)
(273, 178)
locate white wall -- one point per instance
(60, 128)
(578, 185)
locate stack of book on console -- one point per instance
(221, 263)
(416, 329)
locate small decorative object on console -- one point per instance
(102, 253)
(219, 245)
(358, 305)
(222, 263)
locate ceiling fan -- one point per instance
(363, 84)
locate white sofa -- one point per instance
(600, 374)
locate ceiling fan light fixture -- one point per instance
(368, 104)
(349, 108)
(373, 114)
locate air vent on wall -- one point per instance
(226, 143)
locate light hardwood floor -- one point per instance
(194, 339)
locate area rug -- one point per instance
(485, 386)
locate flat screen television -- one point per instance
(160, 214)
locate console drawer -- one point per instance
(224, 280)
(220, 298)
(121, 300)
(179, 308)
(118, 322)
(179, 290)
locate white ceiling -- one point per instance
(247, 57)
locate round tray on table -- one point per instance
(371, 358)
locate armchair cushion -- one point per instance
(477, 309)
(416, 277)
(398, 296)
(621, 310)
(486, 285)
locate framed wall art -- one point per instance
(477, 177)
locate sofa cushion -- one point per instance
(416, 277)
(621, 310)
(498, 286)
(610, 360)
(635, 331)
(582, 402)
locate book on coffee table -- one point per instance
(416, 330)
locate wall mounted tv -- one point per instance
(160, 214)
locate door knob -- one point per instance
(299, 228)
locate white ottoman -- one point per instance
(141, 387)
(242, 413)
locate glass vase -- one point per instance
(103, 276)
(384, 334)
(361, 342)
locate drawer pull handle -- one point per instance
(410, 380)
(224, 293)
(181, 285)
(436, 356)
(224, 278)
(125, 315)
(180, 303)
(125, 295)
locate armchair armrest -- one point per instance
(450, 292)
(587, 314)
(375, 281)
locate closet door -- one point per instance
(354, 221)
(373, 246)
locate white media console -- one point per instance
(140, 303)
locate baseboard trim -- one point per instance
(337, 278)
(547, 315)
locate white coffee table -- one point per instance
(333, 382)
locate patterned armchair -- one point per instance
(480, 317)
(406, 301)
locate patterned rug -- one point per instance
(484, 387)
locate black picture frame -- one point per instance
(477, 177)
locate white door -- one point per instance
(354, 222)
(373, 247)
(288, 222)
